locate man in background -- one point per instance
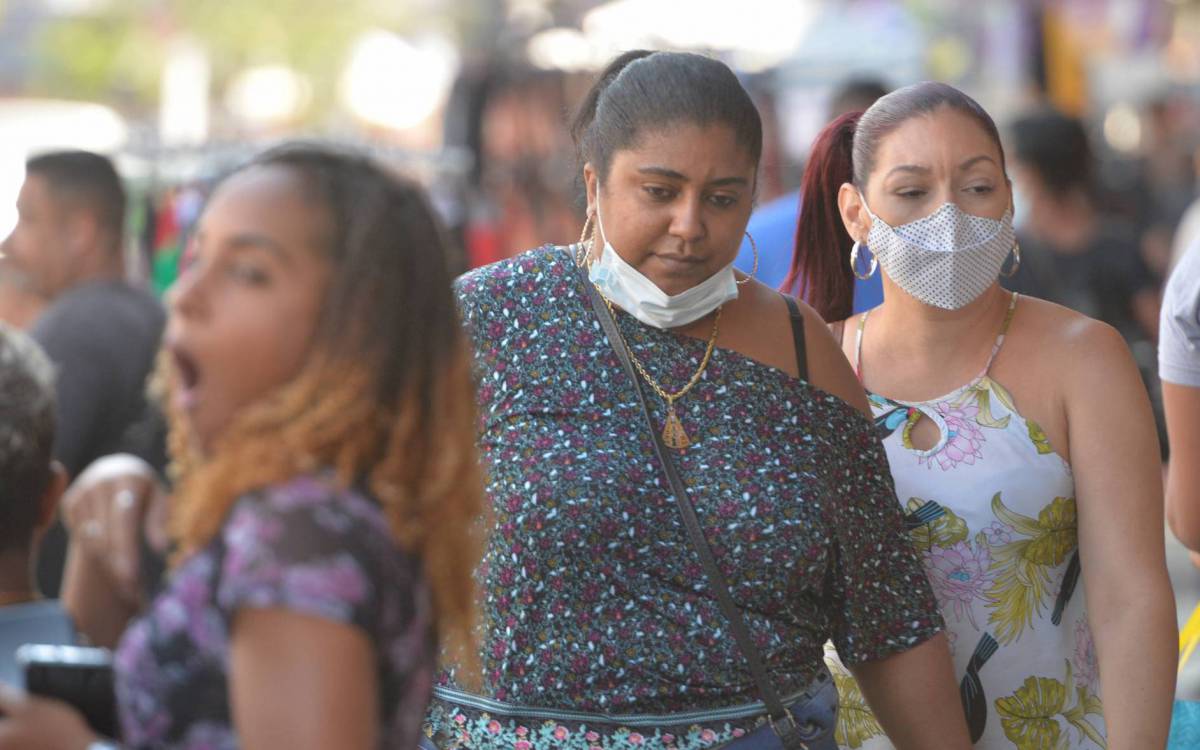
(100, 332)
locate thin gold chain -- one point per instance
(670, 398)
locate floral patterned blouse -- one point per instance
(991, 508)
(305, 546)
(599, 627)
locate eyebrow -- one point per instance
(254, 241)
(671, 174)
(918, 169)
(975, 160)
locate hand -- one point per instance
(31, 723)
(107, 509)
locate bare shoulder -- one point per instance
(1086, 354)
(828, 367)
(762, 317)
(1071, 334)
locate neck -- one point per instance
(16, 585)
(100, 265)
(932, 334)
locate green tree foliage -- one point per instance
(117, 53)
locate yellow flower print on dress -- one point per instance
(1033, 716)
(979, 394)
(1038, 436)
(944, 530)
(1022, 569)
(855, 722)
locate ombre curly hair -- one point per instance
(385, 399)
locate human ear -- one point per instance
(82, 230)
(591, 185)
(854, 212)
(48, 502)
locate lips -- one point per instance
(188, 373)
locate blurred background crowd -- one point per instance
(1098, 100)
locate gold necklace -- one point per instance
(673, 434)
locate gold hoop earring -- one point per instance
(586, 240)
(1016, 256)
(854, 263)
(754, 247)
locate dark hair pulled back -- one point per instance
(642, 91)
(845, 151)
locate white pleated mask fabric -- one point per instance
(946, 259)
(633, 292)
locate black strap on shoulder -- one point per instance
(798, 336)
(716, 581)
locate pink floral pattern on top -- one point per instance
(959, 575)
(964, 441)
(305, 546)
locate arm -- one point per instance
(302, 583)
(1182, 407)
(1118, 487)
(301, 682)
(108, 509)
(913, 695)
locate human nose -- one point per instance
(687, 222)
(186, 296)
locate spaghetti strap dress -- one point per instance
(990, 508)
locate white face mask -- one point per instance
(637, 295)
(946, 259)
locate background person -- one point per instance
(30, 485)
(1179, 368)
(101, 332)
(328, 485)
(1018, 433)
(1071, 253)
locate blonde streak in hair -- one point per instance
(426, 475)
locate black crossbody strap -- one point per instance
(798, 337)
(716, 581)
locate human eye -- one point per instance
(981, 189)
(723, 200)
(659, 192)
(911, 193)
(248, 272)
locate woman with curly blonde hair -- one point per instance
(327, 487)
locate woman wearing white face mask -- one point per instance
(1018, 433)
(633, 382)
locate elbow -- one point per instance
(1182, 521)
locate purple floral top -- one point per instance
(594, 598)
(305, 546)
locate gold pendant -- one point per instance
(673, 434)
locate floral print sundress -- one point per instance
(991, 510)
(599, 627)
(307, 546)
